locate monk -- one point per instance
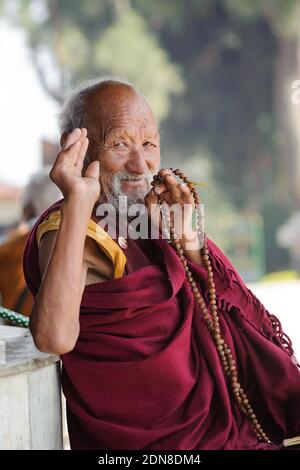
(140, 368)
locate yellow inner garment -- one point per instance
(97, 233)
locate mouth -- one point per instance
(136, 182)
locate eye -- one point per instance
(148, 144)
(120, 145)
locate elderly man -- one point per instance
(141, 369)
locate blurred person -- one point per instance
(36, 198)
(141, 369)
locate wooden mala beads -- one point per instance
(210, 312)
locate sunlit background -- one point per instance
(219, 76)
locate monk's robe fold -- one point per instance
(145, 373)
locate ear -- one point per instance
(63, 138)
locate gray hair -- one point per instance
(72, 113)
(40, 192)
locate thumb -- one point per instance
(93, 170)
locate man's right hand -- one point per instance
(66, 172)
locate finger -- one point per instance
(151, 198)
(64, 158)
(172, 187)
(164, 171)
(69, 155)
(76, 134)
(72, 138)
(83, 134)
(93, 170)
(158, 183)
(188, 208)
(159, 187)
(186, 194)
(151, 203)
(82, 153)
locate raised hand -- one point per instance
(66, 172)
(179, 195)
(173, 193)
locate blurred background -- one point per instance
(223, 78)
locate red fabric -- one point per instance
(145, 374)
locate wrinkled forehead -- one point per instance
(114, 107)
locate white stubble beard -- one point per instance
(136, 196)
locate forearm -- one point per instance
(54, 320)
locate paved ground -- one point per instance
(283, 300)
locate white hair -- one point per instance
(40, 192)
(72, 113)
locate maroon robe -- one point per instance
(145, 374)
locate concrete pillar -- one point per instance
(30, 395)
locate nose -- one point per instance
(136, 162)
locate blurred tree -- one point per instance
(283, 18)
(72, 40)
(234, 56)
(237, 60)
(127, 48)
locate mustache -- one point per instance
(127, 176)
(114, 189)
(118, 178)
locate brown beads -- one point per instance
(210, 313)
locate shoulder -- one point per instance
(92, 254)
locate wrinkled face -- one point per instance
(124, 137)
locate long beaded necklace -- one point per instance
(210, 313)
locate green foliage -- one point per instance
(91, 38)
(141, 61)
(283, 15)
(208, 67)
